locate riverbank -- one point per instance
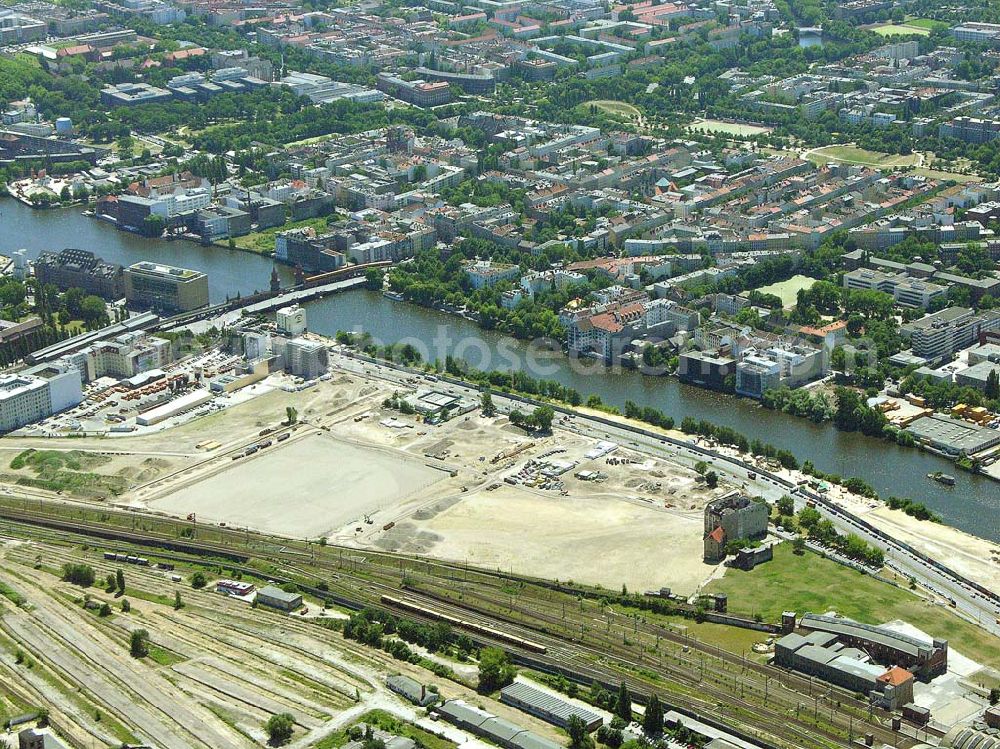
(976, 558)
(973, 600)
(972, 505)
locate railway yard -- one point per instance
(569, 629)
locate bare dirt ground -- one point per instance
(429, 483)
(584, 539)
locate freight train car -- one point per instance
(496, 634)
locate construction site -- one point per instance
(353, 471)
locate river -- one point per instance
(229, 271)
(973, 504)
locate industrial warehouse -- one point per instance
(868, 660)
(488, 726)
(546, 706)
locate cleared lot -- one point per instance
(304, 489)
(592, 540)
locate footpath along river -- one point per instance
(972, 505)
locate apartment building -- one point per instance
(483, 273)
(36, 394)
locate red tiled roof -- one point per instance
(896, 676)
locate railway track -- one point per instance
(601, 658)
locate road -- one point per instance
(973, 604)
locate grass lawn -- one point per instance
(959, 177)
(855, 155)
(727, 128)
(788, 290)
(810, 583)
(615, 108)
(164, 657)
(924, 23)
(263, 241)
(892, 29)
(387, 722)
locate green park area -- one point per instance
(854, 155)
(810, 583)
(262, 242)
(895, 29)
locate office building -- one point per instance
(133, 94)
(419, 92)
(291, 320)
(942, 333)
(72, 268)
(163, 287)
(907, 291)
(305, 358)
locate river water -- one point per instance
(973, 504)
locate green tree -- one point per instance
(120, 581)
(291, 415)
(992, 390)
(623, 707)
(279, 728)
(178, 603)
(105, 610)
(495, 670)
(486, 404)
(78, 574)
(542, 418)
(711, 479)
(138, 643)
(652, 719)
(786, 505)
(198, 580)
(579, 737)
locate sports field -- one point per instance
(615, 108)
(727, 128)
(810, 583)
(788, 290)
(925, 23)
(892, 29)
